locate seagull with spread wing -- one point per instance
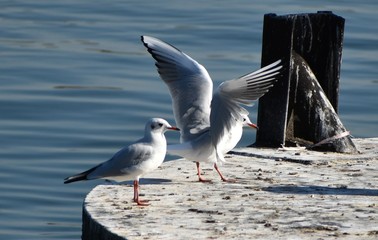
(210, 124)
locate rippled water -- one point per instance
(77, 85)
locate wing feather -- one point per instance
(226, 107)
(124, 161)
(189, 84)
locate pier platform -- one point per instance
(279, 194)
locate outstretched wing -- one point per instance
(226, 107)
(189, 84)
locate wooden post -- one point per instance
(314, 40)
(272, 111)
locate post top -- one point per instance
(318, 13)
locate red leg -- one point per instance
(199, 174)
(222, 177)
(136, 190)
(136, 195)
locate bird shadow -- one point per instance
(322, 190)
(144, 181)
(151, 181)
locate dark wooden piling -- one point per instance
(283, 117)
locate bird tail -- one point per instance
(79, 177)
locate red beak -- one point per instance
(252, 125)
(174, 128)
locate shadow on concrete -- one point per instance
(321, 190)
(146, 181)
(142, 181)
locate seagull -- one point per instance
(211, 124)
(133, 161)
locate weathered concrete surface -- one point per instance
(331, 196)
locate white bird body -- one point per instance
(133, 161)
(201, 149)
(211, 124)
(232, 137)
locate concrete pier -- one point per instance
(279, 194)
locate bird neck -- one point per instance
(157, 137)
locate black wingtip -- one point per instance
(75, 178)
(148, 48)
(144, 42)
(81, 176)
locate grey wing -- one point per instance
(123, 162)
(226, 108)
(189, 84)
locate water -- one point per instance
(77, 85)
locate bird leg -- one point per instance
(199, 174)
(136, 191)
(222, 177)
(136, 195)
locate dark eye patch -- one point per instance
(159, 125)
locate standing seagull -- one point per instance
(211, 124)
(132, 162)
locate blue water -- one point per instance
(77, 85)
